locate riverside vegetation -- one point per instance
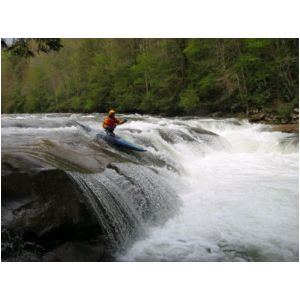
(248, 77)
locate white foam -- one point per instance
(240, 198)
(239, 190)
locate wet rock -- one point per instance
(202, 131)
(20, 162)
(77, 252)
(43, 210)
(59, 204)
(295, 116)
(16, 185)
(257, 118)
(269, 119)
(254, 111)
(216, 114)
(285, 120)
(174, 136)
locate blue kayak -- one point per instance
(113, 139)
(118, 141)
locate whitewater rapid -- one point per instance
(239, 196)
(237, 183)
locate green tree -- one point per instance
(161, 76)
(29, 47)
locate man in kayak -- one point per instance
(111, 122)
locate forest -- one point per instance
(172, 76)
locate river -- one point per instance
(237, 183)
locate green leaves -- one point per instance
(162, 76)
(189, 100)
(30, 47)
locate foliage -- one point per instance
(284, 110)
(28, 47)
(162, 76)
(189, 100)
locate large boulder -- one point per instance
(42, 210)
(77, 251)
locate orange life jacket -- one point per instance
(110, 122)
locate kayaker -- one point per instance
(110, 122)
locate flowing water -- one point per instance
(217, 190)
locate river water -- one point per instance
(237, 183)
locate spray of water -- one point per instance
(239, 190)
(237, 185)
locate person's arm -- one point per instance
(121, 121)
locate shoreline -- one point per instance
(288, 128)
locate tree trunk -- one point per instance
(245, 90)
(146, 84)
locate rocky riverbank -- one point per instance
(288, 128)
(289, 124)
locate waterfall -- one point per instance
(126, 198)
